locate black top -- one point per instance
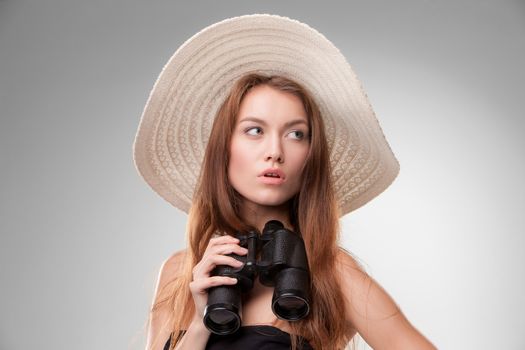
(260, 337)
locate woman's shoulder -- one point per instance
(348, 267)
(172, 266)
(355, 282)
(369, 308)
(170, 269)
(361, 290)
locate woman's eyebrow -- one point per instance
(261, 121)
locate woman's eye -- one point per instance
(297, 134)
(254, 131)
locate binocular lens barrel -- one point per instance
(290, 307)
(290, 297)
(222, 313)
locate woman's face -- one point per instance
(269, 146)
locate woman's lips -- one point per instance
(270, 180)
(272, 176)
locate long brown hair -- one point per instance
(313, 212)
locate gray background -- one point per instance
(83, 237)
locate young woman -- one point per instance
(267, 157)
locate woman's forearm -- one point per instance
(195, 338)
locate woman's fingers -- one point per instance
(216, 254)
(228, 249)
(222, 240)
(204, 267)
(201, 285)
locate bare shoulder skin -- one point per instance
(169, 270)
(373, 313)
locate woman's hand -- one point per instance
(214, 255)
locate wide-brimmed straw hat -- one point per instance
(176, 122)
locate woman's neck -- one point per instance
(257, 215)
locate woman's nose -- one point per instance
(275, 150)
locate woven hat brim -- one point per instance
(177, 119)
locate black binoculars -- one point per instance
(283, 264)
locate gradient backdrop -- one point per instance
(82, 236)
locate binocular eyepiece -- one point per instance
(283, 264)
